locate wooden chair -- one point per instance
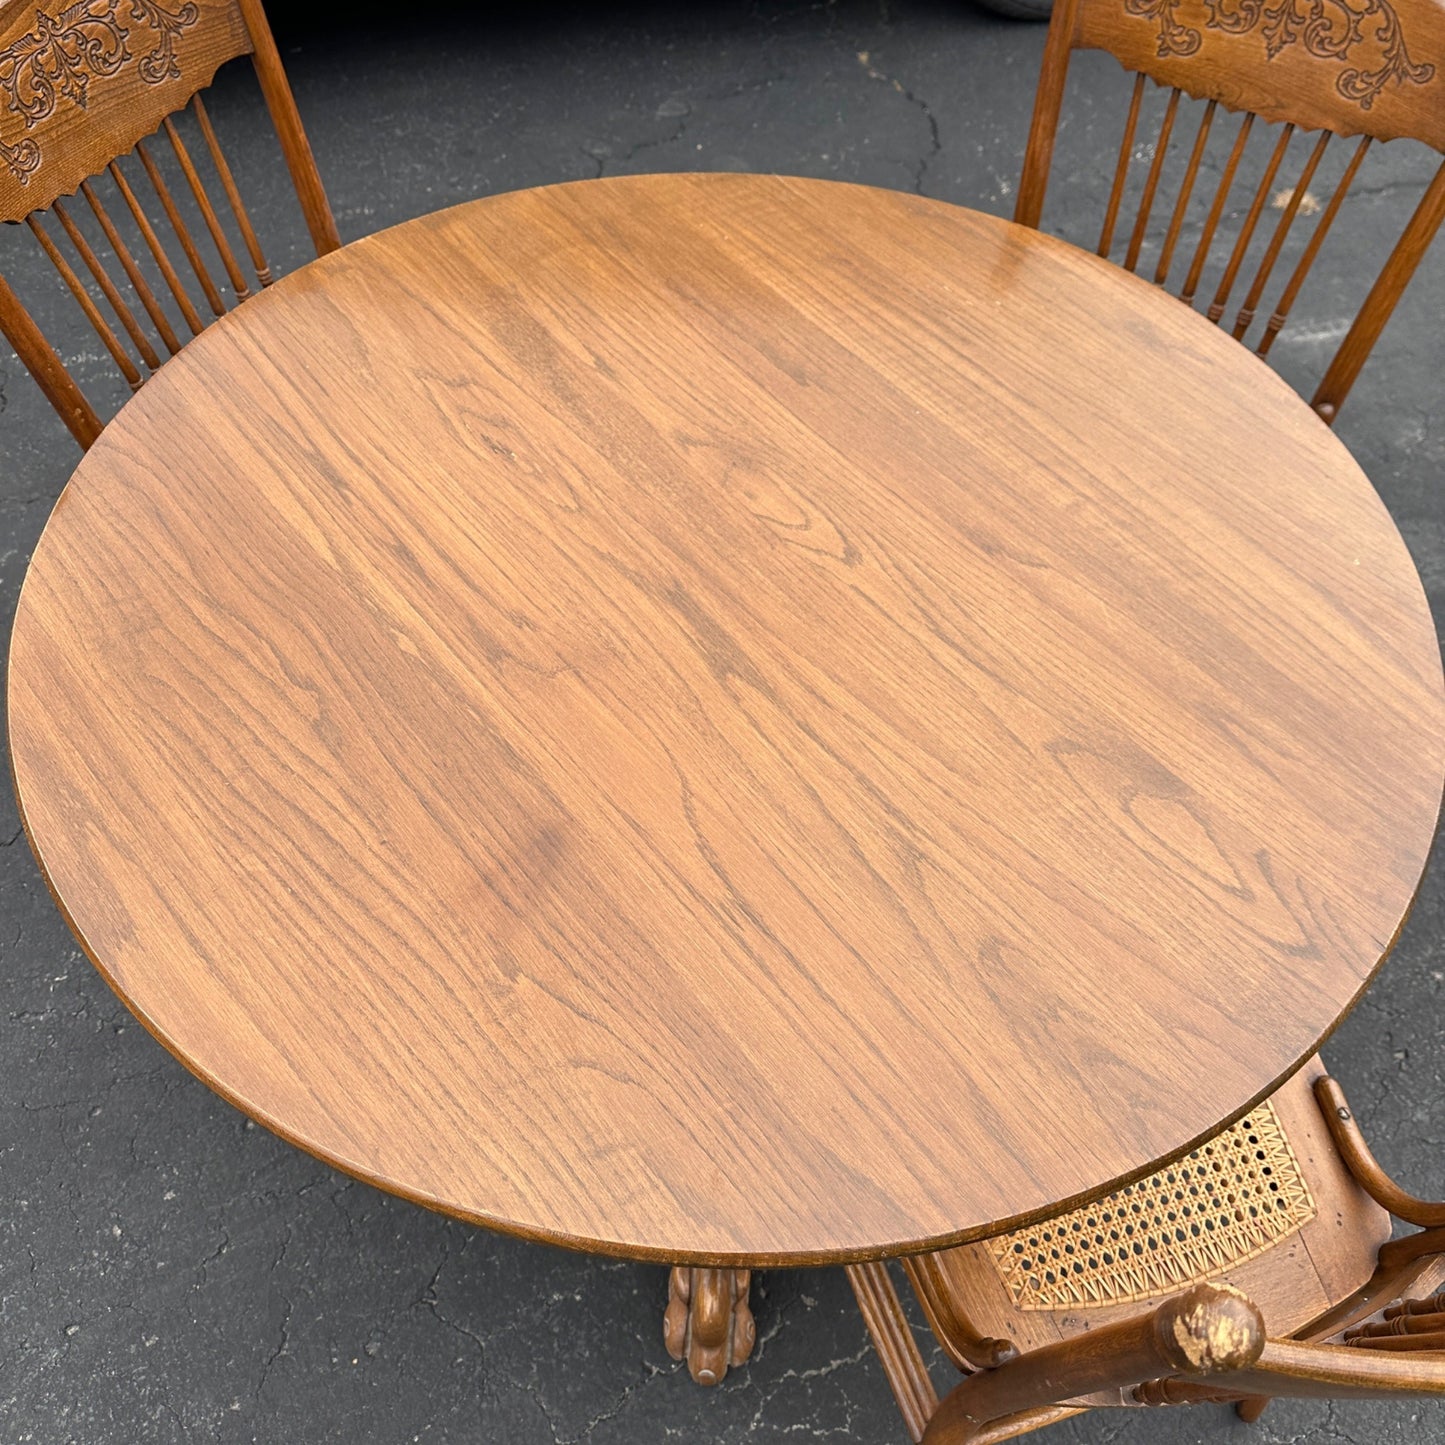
(85, 82)
(1368, 68)
(1259, 1265)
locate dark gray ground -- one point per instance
(170, 1272)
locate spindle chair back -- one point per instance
(86, 83)
(1371, 69)
(1260, 1266)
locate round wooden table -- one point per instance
(727, 719)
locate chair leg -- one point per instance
(897, 1350)
(1251, 1407)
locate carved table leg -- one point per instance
(708, 1321)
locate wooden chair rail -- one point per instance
(1361, 1162)
(1286, 1368)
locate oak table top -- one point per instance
(727, 719)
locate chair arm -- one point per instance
(969, 1350)
(1289, 1369)
(1207, 1330)
(1363, 1165)
(1395, 1254)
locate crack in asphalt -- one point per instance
(601, 158)
(935, 140)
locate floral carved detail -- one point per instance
(161, 64)
(60, 57)
(1328, 29)
(708, 1322)
(1174, 38)
(22, 160)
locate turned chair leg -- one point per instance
(1251, 1408)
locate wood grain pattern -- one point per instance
(676, 715)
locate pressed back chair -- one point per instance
(1371, 69)
(1260, 1265)
(84, 83)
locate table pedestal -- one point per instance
(708, 1320)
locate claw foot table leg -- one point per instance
(708, 1321)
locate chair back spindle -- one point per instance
(233, 193)
(1186, 190)
(108, 288)
(1216, 210)
(88, 307)
(1151, 183)
(181, 230)
(179, 294)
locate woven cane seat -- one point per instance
(1234, 1197)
